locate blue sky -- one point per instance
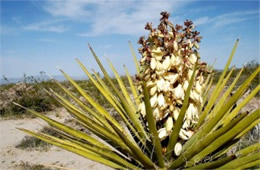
(39, 35)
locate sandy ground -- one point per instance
(11, 157)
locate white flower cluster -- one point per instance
(167, 91)
(167, 63)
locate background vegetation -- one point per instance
(30, 92)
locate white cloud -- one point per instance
(227, 19)
(67, 8)
(48, 26)
(201, 21)
(112, 16)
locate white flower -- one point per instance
(157, 50)
(154, 100)
(190, 74)
(162, 133)
(171, 107)
(192, 58)
(177, 148)
(167, 86)
(186, 124)
(189, 42)
(141, 108)
(153, 90)
(164, 106)
(147, 71)
(171, 77)
(173, 59)
(153, 76)
(176, 113)
(180, 69)
(196, 97)
(160, 84)
(196, 45)
(175, 45)
(165, 113)
(169, 124)
(177, 61)
(143, 59)
(159, 73)
(159, 66)
(153, 63)
(191, 112)
(158, 57)
(166, 63)
(179, 92)
(185, 135)
(156, 113)
(198, 87)
(161, 100)
(150, 84)
(185, 85)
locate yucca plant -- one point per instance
(170, 121)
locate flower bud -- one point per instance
(177, 148)
(169, 124)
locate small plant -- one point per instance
(29, 95)
(27, 166)
(31, 143)
(171, 122)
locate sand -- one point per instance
(11, 157)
